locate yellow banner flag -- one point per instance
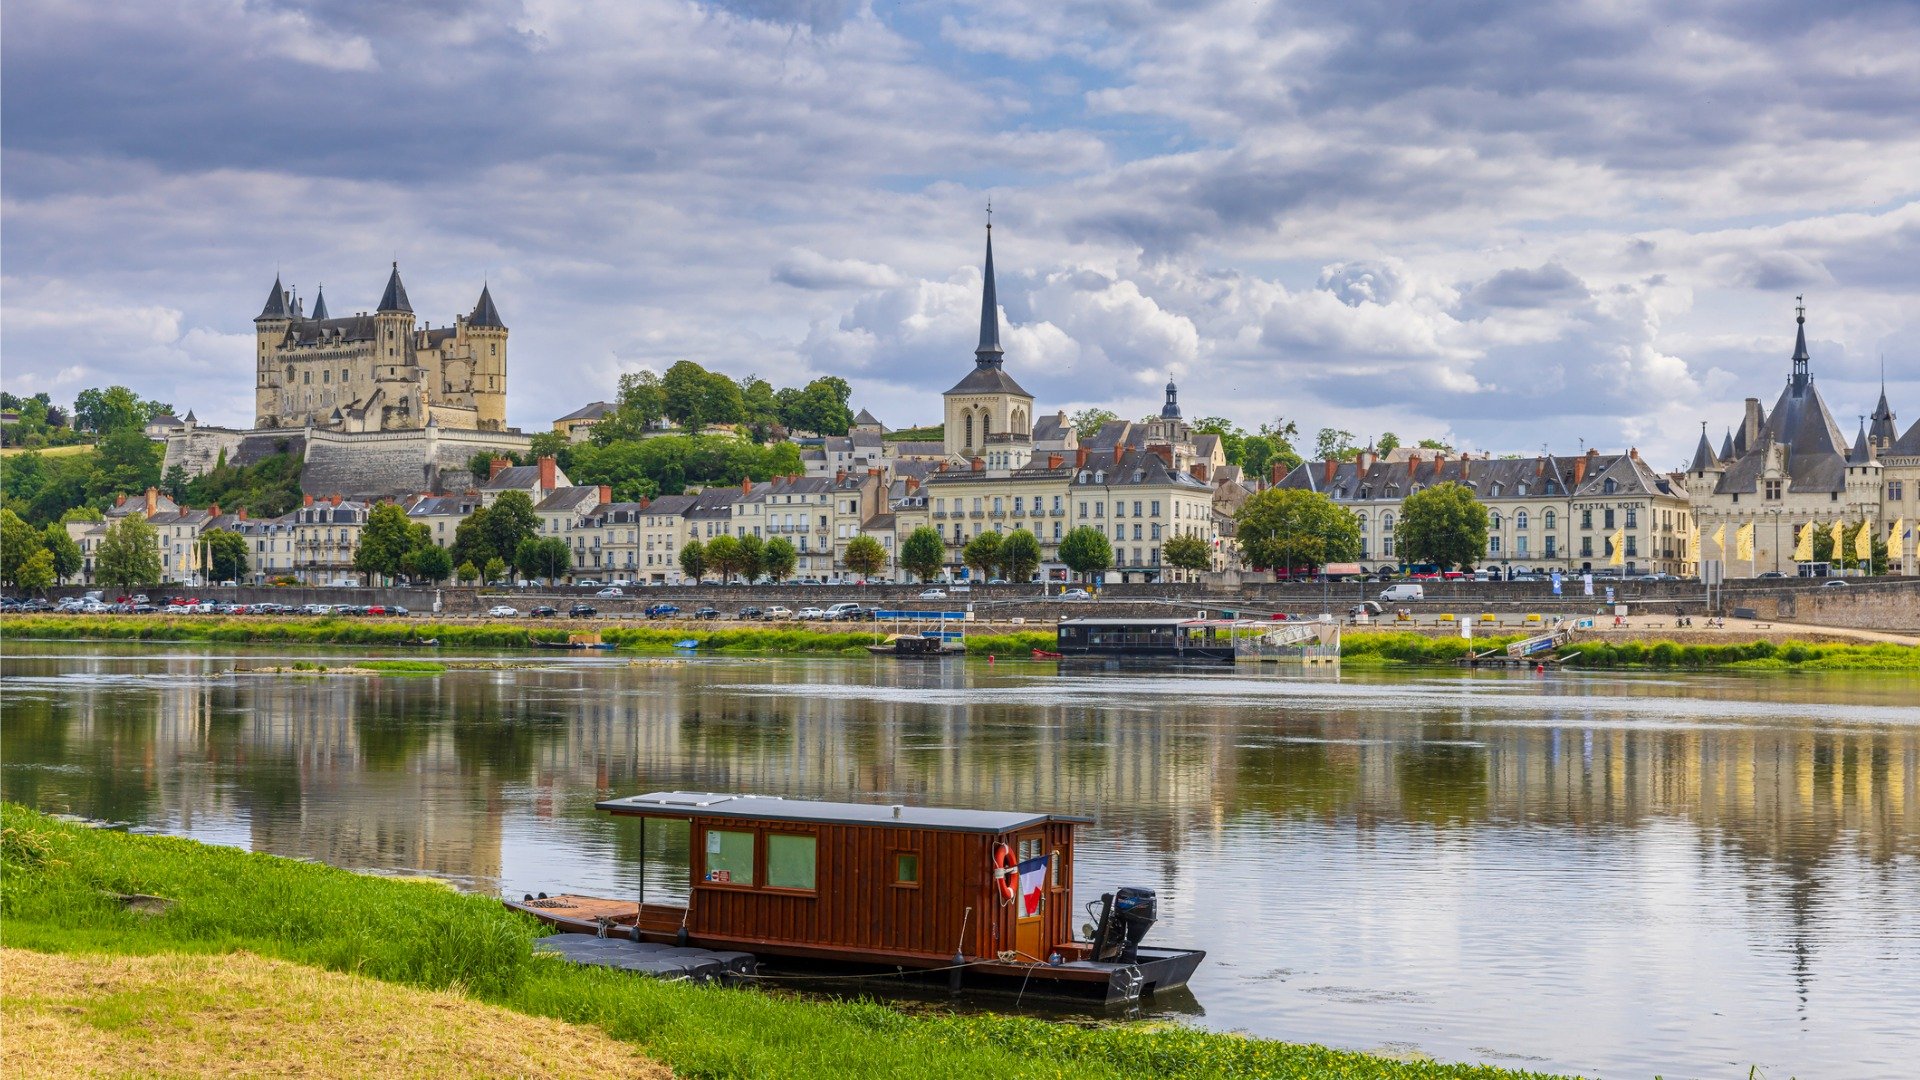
(1863, 545)
(1619, 541)
(1803, 551)
(1720, 539)
(1839, 541)
(1693, 543)
(1743, 542)
(1897, 541)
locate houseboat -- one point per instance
(973, 897)
(1163, 639)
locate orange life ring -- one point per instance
(1005, 866)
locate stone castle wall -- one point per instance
(395, 463)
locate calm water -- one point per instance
(1618, 875)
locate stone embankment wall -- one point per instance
(393, 463)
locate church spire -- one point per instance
(1801, 374)
(989, 354)
(1171, 410)
(395, 298)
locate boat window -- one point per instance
(790, 861)
(906, 868)
(729, 857)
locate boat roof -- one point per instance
(775, 808)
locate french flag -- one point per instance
(1033, 883)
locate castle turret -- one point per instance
(270, 333)
(394, 374)
(489, 338)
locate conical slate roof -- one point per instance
(1703, 458)
(484, 313)
(395, 298)
(1883, 430)
(320, 302)
(1860, 452)
(1726, 446)
(989, 351)
(276, 301)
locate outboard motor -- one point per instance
(1125, 918)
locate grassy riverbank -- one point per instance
(61, 890)
(1387, 648)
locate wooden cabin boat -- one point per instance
(1163, 639)
(977, 897)
(917, 647)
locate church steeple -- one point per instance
(1801, 375)
(1171, 410)
(395, 298)
(989, 353)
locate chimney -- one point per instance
(496, 465)
(913, 485)
(306, 500)
(1439, 465)
(153, 501)
(1750, 423)
(1080, 458)
(606, 492)
(746, 485)
(120, 499)
(1579, 470)
(1119, 451)
(873, 472)
(1413, 465)
(1054, 461)
(548, 469)
(336, 498)
(1633, 452)
(1199, 471)
(608, 497)
(1328, 468)
(979, 464)
(1366, 459)
(241, 513)
(1164, 453)
(213, 511)
(1539, 466)
(1277, 471)
(839, 477)
(941, 467)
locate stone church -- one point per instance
(381, 371)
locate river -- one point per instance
(1612, 874)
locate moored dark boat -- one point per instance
(971, 897)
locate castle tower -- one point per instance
(988, 414)
(488, 336)
(395, 376)
(270, 333)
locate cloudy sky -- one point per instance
(1508, 224)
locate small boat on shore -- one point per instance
(916, 646)
(978, 898)
(587, 640)
(1043, 654)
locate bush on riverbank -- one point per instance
(1403, 648)
(60, 889)
(1754, 655)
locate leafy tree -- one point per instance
(865, 556)
(696, 397)
(923, 553)
(547, 558)
(385, 542)
(671, 464)
(1387, 443)
(21, 477)
(982, 553)
(1443, 524)
(723, 555)
(1434, 444)
(1188, 553)
(115, 409)
(470, 543)
(467, 573)
(67, 557)
(753, 552)
(82, 513)
(1845, 558)
(269, 487)
(496, 568)
(36, 572)
(18, 543)
(761, 410)
(125, 462)
(1290, 527)
(820, 407)
(129, 554)
(226, 553)
(1086, 550)
(1088, 422)
(779, 559)
(1020, 555)
(693, 560)
(430, 562)
(509, 521)
(1334, 444)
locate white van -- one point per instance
(1403, 591)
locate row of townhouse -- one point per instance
(313, 544)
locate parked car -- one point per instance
(706, 613)
(779, 612)
(503, 611)
(1831, 582)
(662, 611)
(1772, 574)
(1076, 594)
(396, 609)
(582, 611)
(810, 613)
(997, 581)
(1402, 592)
(749, 612)
(844, 612)
(588, 583)
(610, 591)
(621, 583)
(933, 594)
(542, 611)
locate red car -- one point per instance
(1455, 575)
(1428, 575)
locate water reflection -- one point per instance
(1612, 874)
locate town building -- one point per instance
(578, 424)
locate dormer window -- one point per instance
(1608, 487)
(1495, 492)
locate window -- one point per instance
(1894, 492)
(729, 857)
(1550, 519)
(1551, 545)
(1632, 547)
(1520, 545)
(1586, 519)
(906, 869)
(1136, 508)
(1586, 546)
(1773, 490)
(1156, 508)
(1056, 530)
(1493, 520)
(1520, 519)
(1493, 545)
(1609, 487)
(790, 861)
(1386, 525)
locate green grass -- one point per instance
(1388, 648)
(58, 884)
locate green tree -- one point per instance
(21, 477)
(1387, 443)
(18, 543)
(509, 521)
(1435, 444)
(760, 409)
(1088, 422)
(385, 542)
(1334, 444)
(124, 462)
(129, 554)
(693, 561)
(1845, 558)
(696, 397)
(66, 555)
(924, 553)
(1086, 550)
(226, 554)
(779, 559)
(723, 555)
(470, 543)
(1289, 527)
(866, 557)
(106, 411)
(82, 513)
(430, 562)
(821, 407)
(36, 572)
(547, 558)
(1188, 553)
(467, 573)
(982, 554)
(753, 553)
(1020, 555)
(496, 569)
(1443, 524)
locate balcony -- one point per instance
(976, 513)
(940, 514)
(996, 513)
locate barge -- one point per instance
(978, 898)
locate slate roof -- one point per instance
(1136, 468)
(563, 500)
(1908, 445)
(514, 478)
(593, 410)
(674, 505)
(484, 313)
(714, 502)
(1883, 429)
(1052, 427)
(276, 306)
(919, 448)
(347, 328)
(1489, 478)
(395, 298)
(988, 379)
(1703, 456)
(867, 419)
(320, 303)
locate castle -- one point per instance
(379, 372)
